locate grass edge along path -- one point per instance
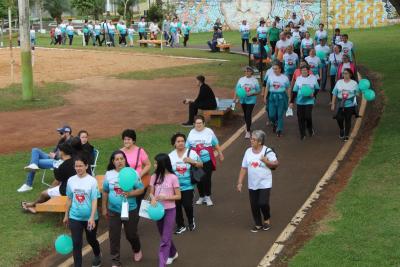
(365, 230)
(25, 236)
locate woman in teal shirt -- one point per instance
(81, 214)
(113, 197)
(182, 160)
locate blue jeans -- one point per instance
(41, 159)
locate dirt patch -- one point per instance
(315, 220)
(66, 64)
(103, 106)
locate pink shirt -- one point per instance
(132, 156)
(167, 188)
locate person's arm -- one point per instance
(66, 215)
(242, 174)
(270, 164)
(146, 165)
(104, 204)
(266, 92)
(55, 183)
(194, 161)
(176, 196)
(91, 222)
(220, 155)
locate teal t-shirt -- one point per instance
(200, 141)
(273, 34)
(346, 93)
(115, 197)
(277, 84)
(186, 30)
(301, 81)
(81, 192)
(182, 169)
(142, 27)
(250, 85)
(262, 32)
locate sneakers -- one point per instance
(266, 227)
(180, 230)
(278, 133)
(24, 188)
(137, 256)
(208, 201)
(247, 135)
(187, 124)
(311, 132)
(255, 229)
(302, 137)
(96, 262)
(32, 167)
(200, 201)
(171, 260)
(346, 138)
(341, 134)
(192, 226)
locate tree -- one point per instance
(396, 4)
(155, 13)
(125, 8)
(56, 8)
(89, 7)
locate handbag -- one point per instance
(196, 174)
(144, 206)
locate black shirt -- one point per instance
(206, 98)
(63, 173)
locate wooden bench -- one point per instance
(156, 43)
(225, 47)
(216, 117)
(59, 204)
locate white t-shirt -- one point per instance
(290, 61)
(315, 64)
(259, 175)
(70, 28)
(278, 84)
(131, 31)
(346, 47)
(295, 20)
(244, 30)
(325, 49)
(303, 28)
(321, 35)
(335, 57)
(307, 43)
(57, 31)
(281, 45)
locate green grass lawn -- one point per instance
(45, 96)
(22, 235)
(366, 232)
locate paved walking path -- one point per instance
(222, 236)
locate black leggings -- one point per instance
(259, 203)
(247, 111)
(333, 83)
(245, 45)
(77, 228)
(185, 39)
(304, 117)
(343, 118)
(186, 203)
(142, 35)
(204, 186)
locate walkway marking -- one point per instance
(70, 261)
(278, 245)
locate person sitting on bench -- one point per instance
(42, 160)
(61, 175)
(213, 43)
(205, 100)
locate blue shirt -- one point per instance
(81, 192)
(346, 93)
(115, 197)
(311, 81)
(182, 169)
(250, 85)
(142, 27)
(277, 84)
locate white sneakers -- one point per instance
(208, 201)
(200, 201)
(24, 188)
(32, 167)
(205, 200)
(247, 135)
(171, 260)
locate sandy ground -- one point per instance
(62, 64)
(104, 106)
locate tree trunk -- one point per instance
(26, 54)
(125, 5)
(396, 4)
(40, 15)
(11, 45)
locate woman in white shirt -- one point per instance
(258, 161)
(335, 59)
(203, 140)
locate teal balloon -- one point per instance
(127, 179)
(306, 91)
(321, 54)
(364, 84)
(267, 49)
(241, 92)
(63, 244)
(157, 212)
(369, 95)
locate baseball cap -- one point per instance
(64, 129)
